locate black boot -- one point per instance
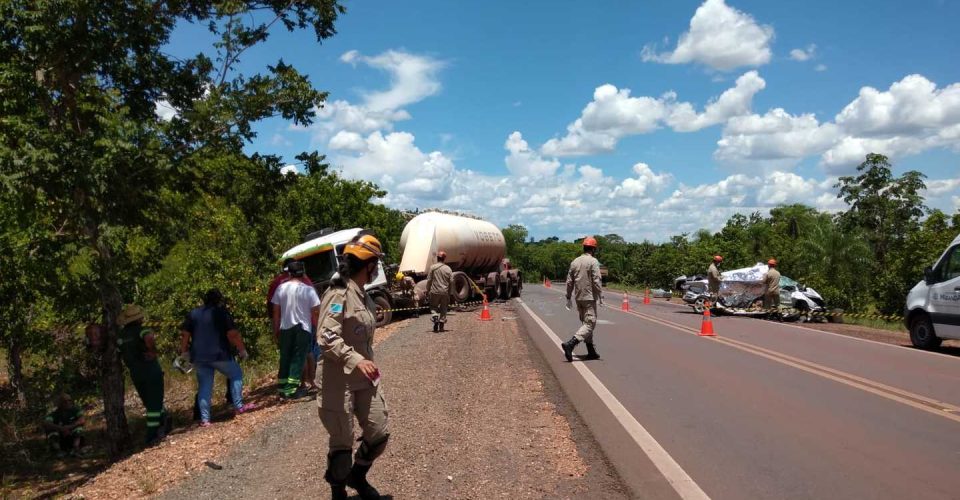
(358, 481)
(442, 324)
(338, 469)
(338, 492)
(568, 348)
(591, 351)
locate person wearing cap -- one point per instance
(280, 279)
(585, 286)
(350, 381)
(713, 278)
(439, 278)
(208, 339)
(771, 282)
(295, 313)
(138, 349)
(313, 351)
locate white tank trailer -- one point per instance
(476, 252)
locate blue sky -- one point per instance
(474, 106)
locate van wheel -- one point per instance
(383, 313)
(921, 333)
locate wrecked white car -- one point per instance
(741, 293)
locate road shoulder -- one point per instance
(474, 413)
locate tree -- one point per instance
(79, 134)
(885, 207)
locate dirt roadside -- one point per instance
(474, 413)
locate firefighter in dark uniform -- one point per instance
(138, 349)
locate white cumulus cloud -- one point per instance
(911, 117)
(720, 37)
(614, 113)
(525, 162)
(412, 78)
(804, 54)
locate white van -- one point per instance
(933, 306)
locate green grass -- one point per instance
(880, 324)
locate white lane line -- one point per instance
(681, 482)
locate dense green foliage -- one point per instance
(866, 257)
(104, 203)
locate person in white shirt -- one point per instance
(294, 323)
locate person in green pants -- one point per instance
(138, 349)
(297, 308)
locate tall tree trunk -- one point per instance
(15, 371)
(111, 369)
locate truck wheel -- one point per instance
(504, 290)
(921, 333)
(515, 289)
(383, 313)
(461, 286)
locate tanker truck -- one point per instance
(475, 252)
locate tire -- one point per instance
(461, 286)
(504, 290)
(383, 313)
(515, 290)
(698, 306)
(922, 335)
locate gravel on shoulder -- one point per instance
(474, 413)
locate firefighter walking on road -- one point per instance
(439, 279)
(585, 286)
(771, 282)
(350, 381)
(713, 279)
(138, 349)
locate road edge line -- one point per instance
(678, 478)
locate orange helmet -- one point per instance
(718, 258)
(364, 247)
(772, 262)
(441, 256)
(590, 241)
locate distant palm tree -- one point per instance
(840, 261)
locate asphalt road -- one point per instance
(763, 410)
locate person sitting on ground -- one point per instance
(64, 427)
(206, 337)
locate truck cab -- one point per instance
(932, 311)
(320, 254)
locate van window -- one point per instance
(951, 265)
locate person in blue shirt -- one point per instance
(208, 339)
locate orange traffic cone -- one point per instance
(485, 314)
(625, 305)
(546, 282)
(706, 327)
(646, 296)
